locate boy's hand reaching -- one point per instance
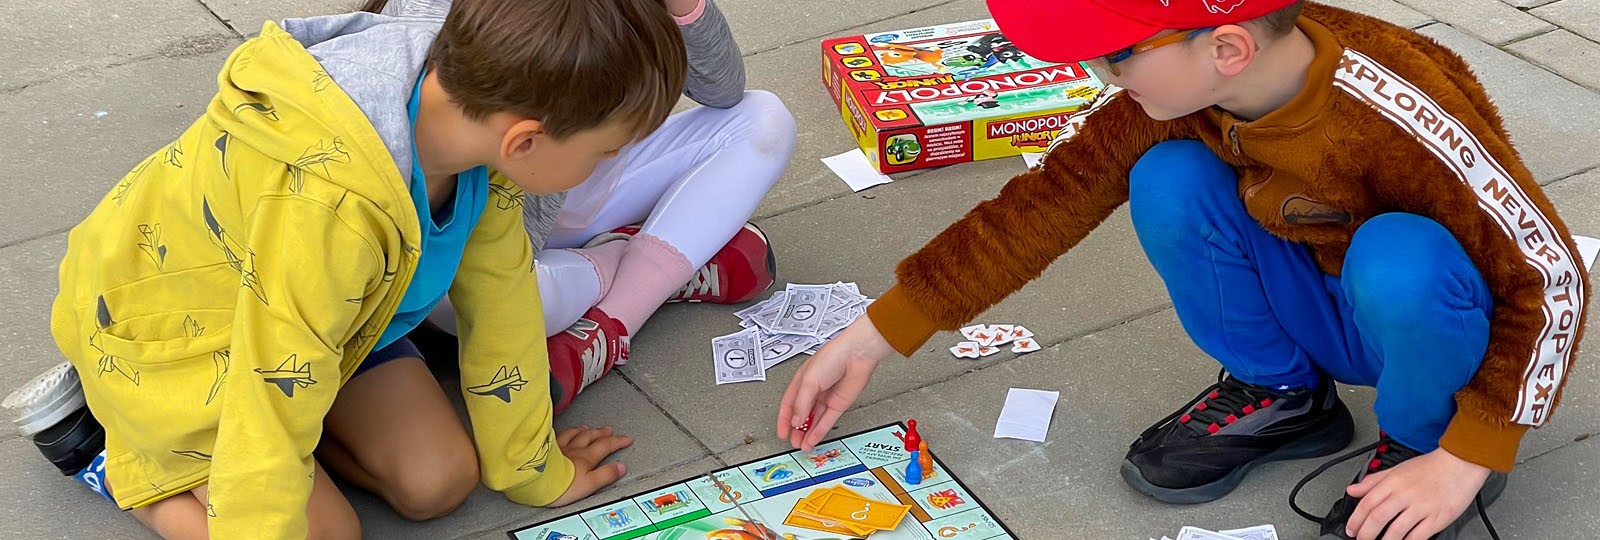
(587, 447)
(829, 382)
(1422, 496)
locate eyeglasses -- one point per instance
(1148, 45)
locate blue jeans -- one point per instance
(1409, 313)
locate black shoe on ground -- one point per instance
(1203, 450)
(1381, 456)
(50, 411)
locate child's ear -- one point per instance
(521, 139)
(1232, 49)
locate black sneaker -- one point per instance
(1203, 451)
(1384, 455)
(50, 410)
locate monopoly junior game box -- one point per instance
(948, 94)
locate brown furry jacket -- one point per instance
(1389, 120)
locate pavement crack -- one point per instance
(1570, 176)
(704, 450)
(219, 18)
(26, 239)
(191, 46)
(1581, 438)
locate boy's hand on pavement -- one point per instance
(829, 382)
(587, 447)
(1421, 496)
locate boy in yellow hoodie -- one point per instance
(220, 303)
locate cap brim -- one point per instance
(1065, 31)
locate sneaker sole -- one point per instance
(1492, 488)
(45, 400)
(1324, 442)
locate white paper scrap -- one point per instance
(1026, 414)
(1587, 249)
(855, 170)
(1033, 159)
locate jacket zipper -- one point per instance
(1233, 136)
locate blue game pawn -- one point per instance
(914, 469)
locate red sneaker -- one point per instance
(744, 268)
(583, 353)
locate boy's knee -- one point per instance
(435, 488)
(1396, 263)
(770, 126)
(1169, 186)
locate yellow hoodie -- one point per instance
(215, 301)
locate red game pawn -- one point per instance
(912, 439)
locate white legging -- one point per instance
(694, 183)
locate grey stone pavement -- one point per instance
(89, 87)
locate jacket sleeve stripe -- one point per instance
(1503, 199)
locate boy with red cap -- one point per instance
(1327, 197)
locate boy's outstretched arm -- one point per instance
(505, 372)
(281, 373)
(991, 252)
(1005, 242)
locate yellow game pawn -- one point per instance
(925, 460)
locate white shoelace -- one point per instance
(704, 282)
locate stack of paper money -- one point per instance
(794, 321)
(1260, 532)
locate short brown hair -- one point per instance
(1280, 22)
(572, 64)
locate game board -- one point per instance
(871, 462)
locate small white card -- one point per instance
(1026, 414)
(855, 170)
(1033, 159)
(1587, 248)
(1024, 345)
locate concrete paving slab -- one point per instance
(1388, 10)
(1548, 117)
(1489, 20)
(794, 74)
(246, 16)
(43, 40)
(659, 448)
(28, 285)
(1553, 496)
(763, 26)
(85, 131)
(1565, 53)
(1527, 4)
(1582, 17)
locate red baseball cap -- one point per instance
(1076, 30)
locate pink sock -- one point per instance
(605, 258)
(650, 272)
